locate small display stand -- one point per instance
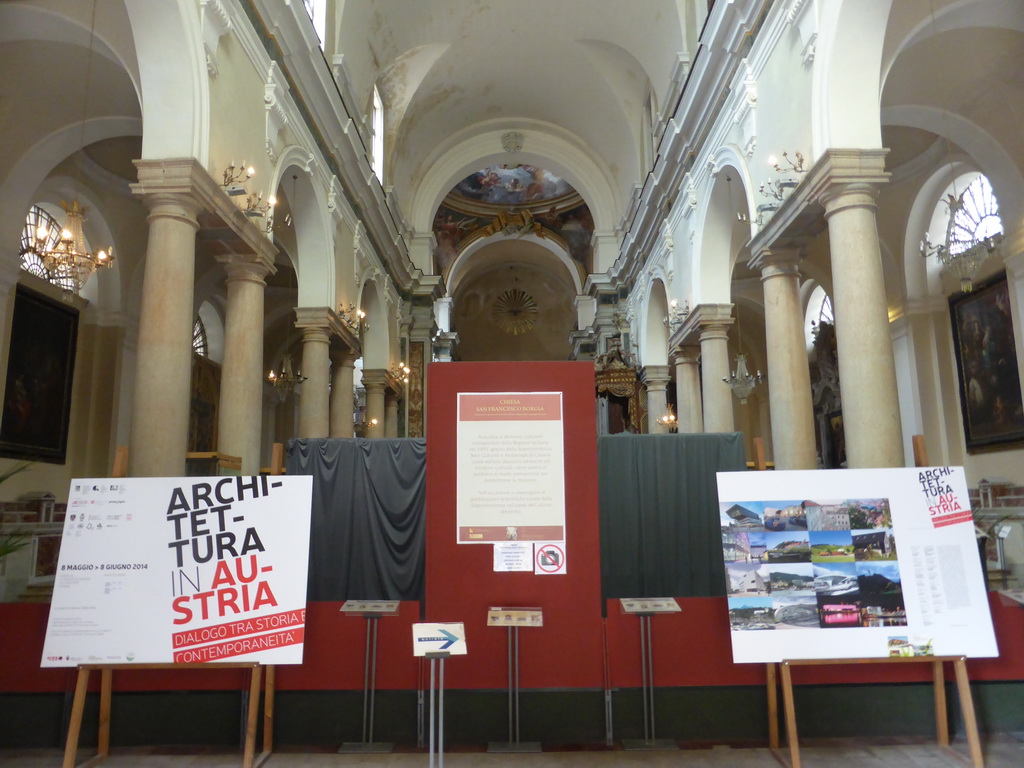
(372, 611)
(436, 739)
(645, 608)
(513, 619)
(436, 642)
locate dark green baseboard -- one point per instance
(727, 714)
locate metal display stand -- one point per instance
(512, 619)
(644, 609)
(436, 738)
(372, 612)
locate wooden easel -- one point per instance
(259, 671)
(938, 679)
(249, 760)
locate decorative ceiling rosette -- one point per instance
(515, 311)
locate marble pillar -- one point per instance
(656, 378)
(342, 402)
(714, 352)
(314, 419)
(390, 414)
(375, 384)
(161, 402)
(241, 388)
(871, 414)
(689, 411)
(789, 393)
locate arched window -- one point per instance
(974, 216)
(819, 310)
(377, 135)
(41, 233)
(199, 342)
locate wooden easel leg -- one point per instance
(787, 700)
(941, 718)
(106, 680)
(963, 688)
(75, 725)
(773, 707)
(250, 720)
(268, 710)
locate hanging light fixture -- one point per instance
(285, 382)
(68, 258)
(741, 381)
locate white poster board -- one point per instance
(159, 570)
(510, 467)
(852, 564)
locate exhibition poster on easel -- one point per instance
(161, 570)
(510, 467)
(833, 564)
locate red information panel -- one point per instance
(524, 404)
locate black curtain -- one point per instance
(660, 532)
(367, 530)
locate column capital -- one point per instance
(184, 182)
(251, 268)
(656, 376)
(381, 380)
(686, 354)
(315, 335)
(776, 262)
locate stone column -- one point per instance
(241, 388)
(314, 419)
(375, 382)
(689, 411)
(789, 392)
(160, 405)
(390, 414)
(871, 414)
(715, 320)
(656, 378)
(342, 394)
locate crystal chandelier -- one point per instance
(285, 382)
(741, 381)
(67, 258)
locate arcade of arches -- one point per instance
(665, 187)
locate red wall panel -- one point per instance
(461, 582)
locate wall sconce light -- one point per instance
(255, 208)
(676, 315)
(779, 189)
(352, 317)
(235, 176)
(795, 167)
(669, 419)
(401, 371)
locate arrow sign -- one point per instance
(450, 637)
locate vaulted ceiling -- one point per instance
(578, 70)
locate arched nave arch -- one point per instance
(719, 234)
(311, 223)
(847, 75)
(173, 80)
(464, 264)
(476, 148)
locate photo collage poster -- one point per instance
(851, 564)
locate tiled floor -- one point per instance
(1003, 751)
